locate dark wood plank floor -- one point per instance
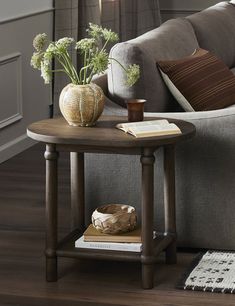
(80, 282)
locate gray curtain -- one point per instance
(71, 19)
(129, 18)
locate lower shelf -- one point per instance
(66, 248)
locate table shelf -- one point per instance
(66, 248)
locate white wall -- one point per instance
(15, 8)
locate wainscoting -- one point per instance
(24, 97)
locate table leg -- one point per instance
(77, 191)
(169, 201)
(51, 156)
(147, 257)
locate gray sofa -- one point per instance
(205, 166)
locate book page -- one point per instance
(151, 128)
(154, 130)
(126, 126)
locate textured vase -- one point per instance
(81, 105)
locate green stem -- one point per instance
(89, 65)
(58, 70)
(80, 74)
(113, 59)
(81, 71)
(71, 67)
(105, 44)
(90, 76)
(66, 70)
(85, 68)
(67, 64)
(65, 61)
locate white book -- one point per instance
(149, 128)
(114, 246)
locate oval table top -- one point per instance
(104, 134)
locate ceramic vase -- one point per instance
(81, 105)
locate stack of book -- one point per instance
(93, 239)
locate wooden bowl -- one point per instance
(114, 219)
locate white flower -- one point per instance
(94, 30)
(39, 41)
(36, 60)
(45, 71)
(132, 74)
(95, 58)
(85, 44)
(100, 62)
(51, 48)
(64, 43)
(110, 35)
(50, 52)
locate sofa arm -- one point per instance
(111, 108)
(101, 80)
(191, 116)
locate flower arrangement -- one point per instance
(92, 50)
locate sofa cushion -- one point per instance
(179, 97)
(173, 39)
(204, 81)
(215, 30)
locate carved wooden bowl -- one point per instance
(114, 218)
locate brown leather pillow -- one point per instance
(202, 79)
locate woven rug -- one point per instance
(213, 271)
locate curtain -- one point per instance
(72, 18)
(129, 18)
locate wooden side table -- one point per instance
(105, 138)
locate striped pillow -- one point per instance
(200, 81)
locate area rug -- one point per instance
(213, 271)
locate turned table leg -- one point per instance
(169, 201)
(51, 157)
(77, 191)
(147, 257)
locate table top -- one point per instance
(58, 131)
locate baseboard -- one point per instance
(15, 147)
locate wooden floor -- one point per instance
(80, 282)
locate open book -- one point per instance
(151, 128)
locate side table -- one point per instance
(105, 138)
